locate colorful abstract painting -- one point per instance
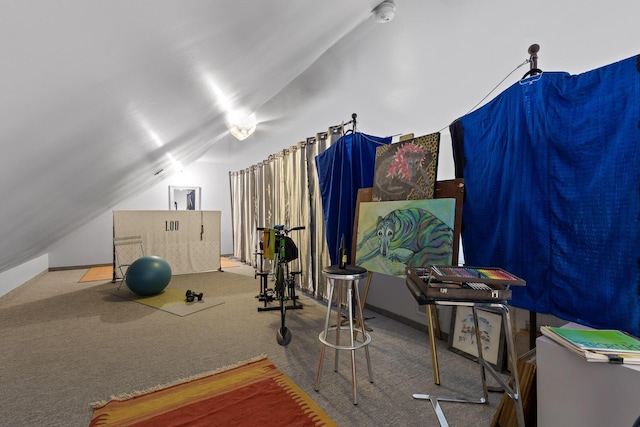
(396, 234)
(406, 170)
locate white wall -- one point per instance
(91, 243)
(14, 277)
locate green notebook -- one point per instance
(600, 340)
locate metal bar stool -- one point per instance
(358, 336)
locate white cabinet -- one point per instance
(574, 392)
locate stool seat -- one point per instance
(358, 337)
(349, 272)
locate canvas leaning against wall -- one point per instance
(406, 170)
(397, 234)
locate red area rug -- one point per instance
(255, 393)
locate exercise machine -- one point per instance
(280, 249)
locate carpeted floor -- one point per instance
(171, 300)
(66, 344)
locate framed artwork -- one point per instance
(393, 235)
(462, 336)
(406, 170)
(184, 198)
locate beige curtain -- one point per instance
(284, 190)
(242, 186)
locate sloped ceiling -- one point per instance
(95, 94)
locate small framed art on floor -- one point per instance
(462, 336)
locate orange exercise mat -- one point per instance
(98, 273)
(228, 263)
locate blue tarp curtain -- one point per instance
(343, 168)
(552, 176)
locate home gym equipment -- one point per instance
(148, 275)
(280, 248)
(191, 295)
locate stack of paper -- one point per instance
(597, 345)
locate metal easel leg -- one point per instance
(436, 399)
(436, 405)
(481, 362)
(432, 342)
(483, 366)
(513, 391)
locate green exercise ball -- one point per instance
(148, 275)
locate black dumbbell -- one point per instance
(192, 295)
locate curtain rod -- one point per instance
(309, 141)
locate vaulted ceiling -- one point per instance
(99, 98)
(96, 94)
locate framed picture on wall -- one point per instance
(462, 336)
(184, 198)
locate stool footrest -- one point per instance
(357, 344)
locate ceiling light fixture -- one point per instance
(384, 12)
(240, 122)
(242, 127)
